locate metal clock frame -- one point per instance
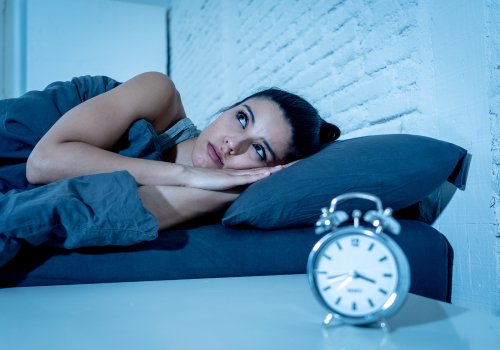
(394, 301)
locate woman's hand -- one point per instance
(223, 179)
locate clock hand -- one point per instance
(345, 283)
(336, 277)
(363, 277)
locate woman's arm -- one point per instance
(173, 205)
(79, 141)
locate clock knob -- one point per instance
(383, 220)
(330, 220)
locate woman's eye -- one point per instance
(242, 118)
(260, 151)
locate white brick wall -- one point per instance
(355, 71)
(371, 66)
(493, 45)
(461, 78)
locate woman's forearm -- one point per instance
(71, 159)
(173, 205)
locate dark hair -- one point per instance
(309, 130)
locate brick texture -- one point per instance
(356, 61)
(493, 45)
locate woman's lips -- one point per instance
(214, 155)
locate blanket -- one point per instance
(93, 210)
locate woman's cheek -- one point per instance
(242, 161)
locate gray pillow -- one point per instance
(400, 169)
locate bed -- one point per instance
(269, 229)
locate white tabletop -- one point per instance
(273, 312)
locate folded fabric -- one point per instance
(92, 210)
(25, 119)
(400, 169)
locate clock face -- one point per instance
(355, 274)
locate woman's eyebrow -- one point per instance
(268, 146)
(249, 110)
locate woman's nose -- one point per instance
(231, 145)
(234, 144)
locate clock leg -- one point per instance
(384, 326)
(328, 320)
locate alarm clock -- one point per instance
(357, 272)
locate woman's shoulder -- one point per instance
(89, 86)
(151, 96)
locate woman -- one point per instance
(195, 173)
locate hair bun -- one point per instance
(328, 132)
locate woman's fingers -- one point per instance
(291, 163)
(247, 179)
(223, 179)
(244, 172)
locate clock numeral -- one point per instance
(371, 302)
(354, 306)
(338, 245)
(320, 272)
(382, 259)
(388, 275)
(371, 247)
(326, 288)
(383, 291)
(338, 300)
(327, 256)
(355, 242)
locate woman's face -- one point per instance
(251, 135)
